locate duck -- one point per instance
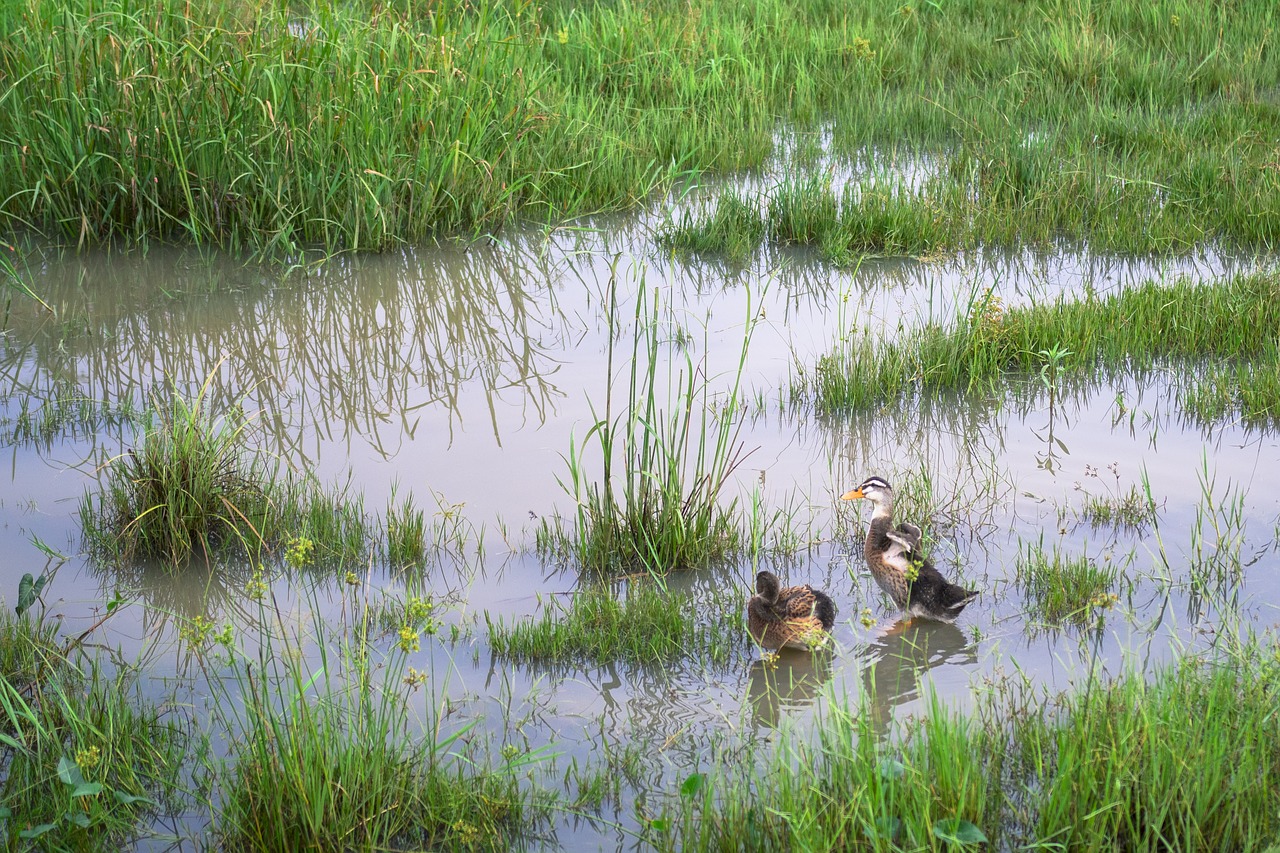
(892, 554)
(797, 617)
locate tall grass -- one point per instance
(658, 505)
(1060, 588)
(327, 750)
(1128, 329)
(1186, 761)
(1137, 126)
(85, 760)
(189, 488)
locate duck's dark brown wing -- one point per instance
(804, 602)
(937, 595)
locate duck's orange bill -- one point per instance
(853, 495)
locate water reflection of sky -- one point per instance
(464, 374)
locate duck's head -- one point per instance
(875, 489)
(767, 586)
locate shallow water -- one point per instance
(463, 375)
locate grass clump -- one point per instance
(85, 761)
(1062, 589)
(330, 755)
(1129, 329)
(189, 485)
(664, 511)
(732, 228)
(648, 624)
(1186, 761)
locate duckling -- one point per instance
(795, 616)
(911, 581)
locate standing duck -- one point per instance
(798, 617)
(911, 581)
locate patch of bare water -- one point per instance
(462, 375)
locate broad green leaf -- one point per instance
(693, 784)
(36, 831)
(26, 593)
(80, 819)
(887, 828)
(958, 831)
(87, 789)
(129, 799)
(69, 772)
(892, 768)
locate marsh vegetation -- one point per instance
(446, 546)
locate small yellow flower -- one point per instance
(415, 678)
(867, 619)
(352, 579)
(409, 640)
(862, 48)
(1175, 20)
(87, 757)
(562, 35)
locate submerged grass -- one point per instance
(1129, 329)
(1138, 126)
(1187, 761)
(647, 625)
(1063, 589)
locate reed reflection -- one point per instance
(356, 350)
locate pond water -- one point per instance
(463, 375)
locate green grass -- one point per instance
(733, 228)
(85, 760)
(646, 625)
(1062, 589)
(1130, 329)
(329, 752)
(188, 489)
(658, 505)
(1135, 126)
(1186, 761)
(194, 489)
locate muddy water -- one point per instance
(463, 375)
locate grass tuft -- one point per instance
(1062, 589)
(647, 625)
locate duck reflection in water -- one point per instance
(897, 658)
(786, 680)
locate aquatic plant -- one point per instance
(1129, 329)
(85, 759)
(646, 624)
(664, 511)
(1126, 125)
(1185, 760)
(325, 754)
(189, 484)
(1064, 589)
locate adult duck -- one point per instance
(797, 617)
(892, 554)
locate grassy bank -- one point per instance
(1234, 319)
(1186, 761)
(1134, 125)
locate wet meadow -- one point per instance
(401, 399)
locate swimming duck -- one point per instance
(911, 581)
(795, 616)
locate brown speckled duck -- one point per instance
(911, 581)
(797, 617)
